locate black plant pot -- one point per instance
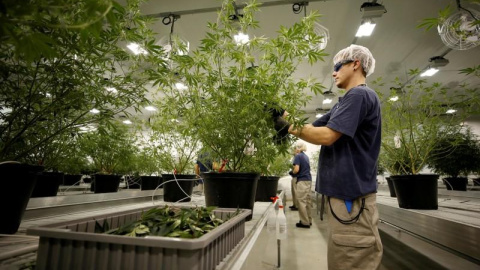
(419, 191)
(133, 183)
(391, 187)
(88, 179)
(267, 187)
(72, 179)
(231, 190)
(456, 183)
(476, 182)
(172, 192)
(18, 180)
(47, 184)
(150, 182)
(106, 183)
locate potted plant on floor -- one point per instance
(175, 148)
(56, 62)
(111, 149)
(229, 85)
(456, 155)
(412, 125)
(267, 185)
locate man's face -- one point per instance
(342, 72)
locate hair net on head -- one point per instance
(301, 146)
(357, 52)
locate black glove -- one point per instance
(281, 126)
(291, 173)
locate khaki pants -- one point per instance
(304, 201)
(357, 245)
(294, 192)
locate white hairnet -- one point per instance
(357, 52)
(301, 146)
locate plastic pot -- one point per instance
(267, 187)
(391, 187)
(178, 191)
(106, 183)
(456, 183)
(419, 191)
(19, 181)
(72, 179)
(47, 184)
(150, 182)
(231, 190)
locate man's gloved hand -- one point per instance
(281, 126)
(291, 173)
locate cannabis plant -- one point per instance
(60, 60)
(230, 86)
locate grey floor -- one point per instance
(303, 248)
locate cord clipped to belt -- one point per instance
(350, 221)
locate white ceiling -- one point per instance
(396, 43)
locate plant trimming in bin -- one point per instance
(230, 85)
(412, 125)
(59, 62)
(168, 221)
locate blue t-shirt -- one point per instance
(204, 162)
(348, 168)
(303, 174)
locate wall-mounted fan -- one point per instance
(323, 32)
(459, 30)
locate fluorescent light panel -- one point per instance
(94, 111)
(136, 49)
(241, 38)
(429, 72)
(150, 108)
(127, 122)
(327, 101)
(394, 98)
(365, 29)
(451, 111)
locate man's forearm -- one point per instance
(316, 135)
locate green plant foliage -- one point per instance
(58, 60)
(280, 165)
(170, 222)
(456, 154)
(231, 86)
(111, 148)
(412, 125)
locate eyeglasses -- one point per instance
(339, 65)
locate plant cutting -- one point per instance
(455, 155)
(168, 221)
(230, 86)
(412, 125)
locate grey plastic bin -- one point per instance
(75, 245)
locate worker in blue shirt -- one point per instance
(301, 168)
(350, 136)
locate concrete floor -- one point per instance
(303, 248)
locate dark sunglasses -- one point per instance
(339, 65)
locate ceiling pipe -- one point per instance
(214, 9)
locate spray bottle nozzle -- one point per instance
(274, 199)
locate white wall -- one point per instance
(474, 123)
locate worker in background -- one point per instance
(301, 168)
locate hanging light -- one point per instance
(327, 101)
(94, 111)
(394, 98)
(365, 29)
(429, 72)
(451, 111)
(150, 108)
(241, 38)
(127, 122)
(136, 49)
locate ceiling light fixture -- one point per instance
(451, 111)
(127, 122)
(241, 38)
(429, 72)
(369, 10)
(365, 29)
(136, 49)
(394, 98)
(327, 101)
(111, 89)
(94, 111)
(181, 86)
(150, 108)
